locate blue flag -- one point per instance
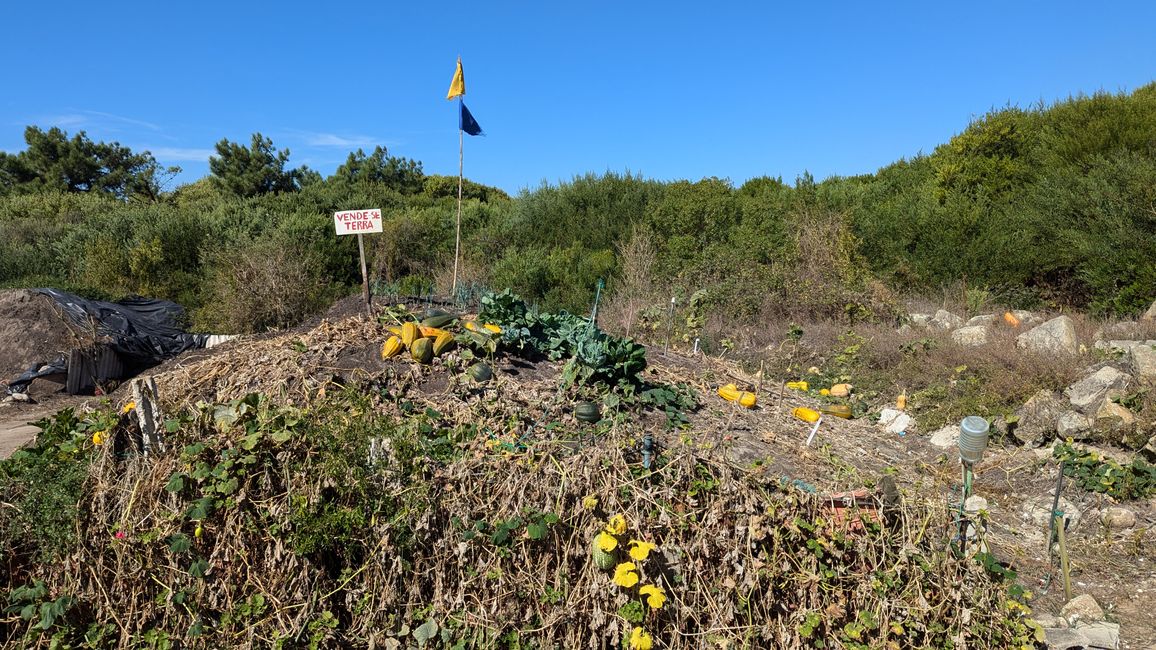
(466, 122)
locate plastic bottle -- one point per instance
(901, 401)
(805, 414)
(837, 410)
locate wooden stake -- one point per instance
(458, 234)
(1059, 522)
(364, 275)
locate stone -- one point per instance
(1048, 620)
(1121, 348)
(1144, 363)
(895, 421)
(1039, 513)
(1100, 634)
(1057, 336)
(1025, 317)
(974, 504)
(1149, 450)
(1151, 313)
(1073, 425)
(946, 320)
(972, 336)
(1112, 422)
(1082, 608)
(1086, 394)
(920, 320)
(1117, 518)
(984, 319)
(1121, 330)
(1061, 638)
(905, 329)
(1037, 418)
(945, 438)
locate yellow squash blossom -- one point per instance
(606, 542)
(625, 575)
(655, 596)
(590, 502)
(617, 525)
(640, 550)
(640, 640)
(128, 407)
(99, 437)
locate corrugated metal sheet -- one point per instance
(89, 368)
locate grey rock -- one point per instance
(1061, 638)
(1117, 517)
(983, 319)
(1076, 426)
(1086, 394)
(905, 329)
(972, 336)
(1047, 620)
(1144, 363)
(1039, 513)
(946, 320)
(945, 438)
(1151, 313)
(1112, 422)
(1084, 636)
(1121, 348)
(895, 421)
(920, 320)
(1100, 634)
(1122, 330)
(1026, 317)
(974, 504)
(1038, 417)
(1057, 336)
(1149, 452)
(1082, 608)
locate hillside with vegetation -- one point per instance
(533, 462)
(1049, 206)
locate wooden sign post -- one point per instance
(359, 222)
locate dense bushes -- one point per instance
(1048, 205)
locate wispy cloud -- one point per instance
(126, 120)
(66, 121)
(93, 119)
(314, 139)
(179, 154)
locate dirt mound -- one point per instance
(33, 330)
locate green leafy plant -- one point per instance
(1097, 473)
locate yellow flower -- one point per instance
(128, 407)
(617, 525)
(625, 575)
(99, 437)
(655, 596)
(640, 640)
(640, 550)
(590, 502)
(606, 542)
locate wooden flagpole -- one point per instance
(458, 234)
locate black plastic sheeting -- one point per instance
(142, 332)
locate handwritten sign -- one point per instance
(357, 222)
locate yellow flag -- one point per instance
(458, 85)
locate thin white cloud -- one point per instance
(93, 119)
(333, 140)
(126, 120)
(179, 154)
(66, 121)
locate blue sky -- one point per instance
(667, 90)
